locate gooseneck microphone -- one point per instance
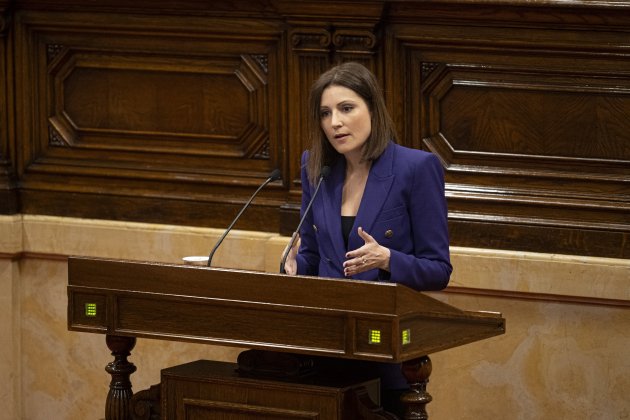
(323, 174)
(272, 177)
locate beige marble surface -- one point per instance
(141, 241)
(11, 234)
(63, 371)
(557, 359)
(531, 272)
(10, 331)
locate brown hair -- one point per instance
(358, 78)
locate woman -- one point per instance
(381, 213)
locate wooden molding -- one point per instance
(545, 297)
(151, 112)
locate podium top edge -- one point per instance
(127, 276)
(80, 259)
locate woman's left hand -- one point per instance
(369, 256)
(290, 264)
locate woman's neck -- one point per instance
(354, 165)
(353, 186)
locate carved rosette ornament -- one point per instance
(52, 51)
(263, 61)
(55, 138)
(427, 69)
(263, 152)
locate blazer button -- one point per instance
(315, 228)
(389, 233)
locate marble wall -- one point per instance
(564, 354)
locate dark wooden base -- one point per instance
(209, 390)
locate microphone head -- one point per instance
(276, 174)
(325, 172)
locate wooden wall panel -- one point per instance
(533, 133)
(315, 46)
(153, 108)
(169, 113)
(8, 182)
(120, 105)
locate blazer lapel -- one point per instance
(377, 189)
(332, 190)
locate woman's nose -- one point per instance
(336, 121)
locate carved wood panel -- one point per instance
(8, 182)
(163, 104)
(530, 141)
(175, 115)
(314, 49)
(153, 108)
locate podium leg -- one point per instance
(417, 372)
(119, 396)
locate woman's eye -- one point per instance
(347, 108)
(324, 114)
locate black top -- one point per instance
(346, 227)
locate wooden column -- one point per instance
(417, 372)
(119, 396)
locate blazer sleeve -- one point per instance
(308, 255)
(429, 267)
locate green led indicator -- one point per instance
(90, 309)
(375, 337)
(406, 337)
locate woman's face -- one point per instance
(345, 119)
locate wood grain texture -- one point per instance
(8, 181)
(206, 389)
(304, 315)
(174, 112)
(533, 133)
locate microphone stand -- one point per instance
(274, 176)
(324, 174)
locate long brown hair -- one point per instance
(358, 78)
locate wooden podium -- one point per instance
(297, 315)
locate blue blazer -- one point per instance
(403, 208)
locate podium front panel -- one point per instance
(340, 318)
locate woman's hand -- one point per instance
(369, 256)
(290, 265)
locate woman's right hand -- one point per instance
(290, 265)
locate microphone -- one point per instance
(272, 177)
(323, 174)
